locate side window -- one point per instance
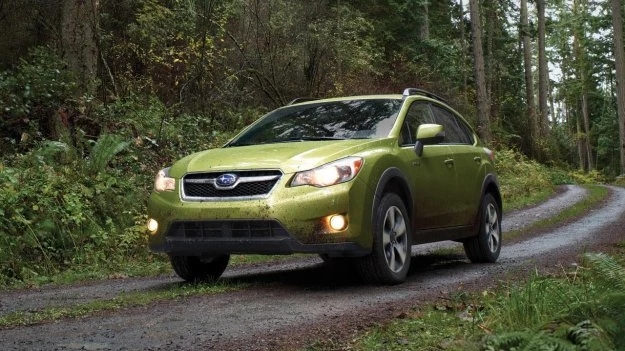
(454, 132)
(466, 130)
(419, 113)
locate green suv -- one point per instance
(360, 179)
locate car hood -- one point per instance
(288, 157)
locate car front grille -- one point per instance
(236, 229)
(248, 184)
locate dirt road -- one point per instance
(300, 300)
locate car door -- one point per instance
(467, 159)
(432, 174)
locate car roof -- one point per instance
(304, 101)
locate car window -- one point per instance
(454, 133)
(349, 119)
(466, 130)
(419, 113)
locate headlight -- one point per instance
(329, 174)
(163, 182)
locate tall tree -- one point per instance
(529, 80)
(581, 62)
(543, 74)
(463, 48)
(617, 23)
(79, 23)
(483, 104)
(424, 30)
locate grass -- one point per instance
(578, 309)
(437, 327)
(534, 197)
(135, 299)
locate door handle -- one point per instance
(449, 162)
(477, 159)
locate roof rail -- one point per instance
(417, 91)
(302, 99)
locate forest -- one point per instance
(97, 95)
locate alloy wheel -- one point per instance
(395, 239)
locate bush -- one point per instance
(60, 210)
(520, 177)
(31, 93)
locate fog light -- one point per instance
(152, 225)
(338, 222)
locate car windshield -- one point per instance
(338, 120)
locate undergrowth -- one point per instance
(578, 310)
(522, 181)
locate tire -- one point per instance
(486, 245)
(389, 260)
(199, 269)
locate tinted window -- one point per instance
(454, 133)
(465, 130)
(419, 113)
(353, 119)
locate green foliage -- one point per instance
(520, 177)
(104, 150)
(431, 328)
(563, 176)
(581, 312)
(591, 177)
(32, 92)
(60, 210)
(582, 337)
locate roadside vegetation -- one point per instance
(578, 309)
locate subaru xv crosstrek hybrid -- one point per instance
(362, 178)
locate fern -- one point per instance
(606, 271)
(588, 336)
(528, 341)
(104, 150)
(506, 341)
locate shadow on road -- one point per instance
(341, 274)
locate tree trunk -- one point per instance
(586, 115)
(617, 23)
(463, 47)
(581, 72)
(424, 30)
(483, 105)
(543, 73)
(79, 27)
(529, 80)
(489, 37)
(580, 144)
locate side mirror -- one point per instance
(428, 134)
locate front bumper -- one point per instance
(301, 212)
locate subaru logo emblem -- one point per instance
(226, 180)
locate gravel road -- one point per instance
(298, 300)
